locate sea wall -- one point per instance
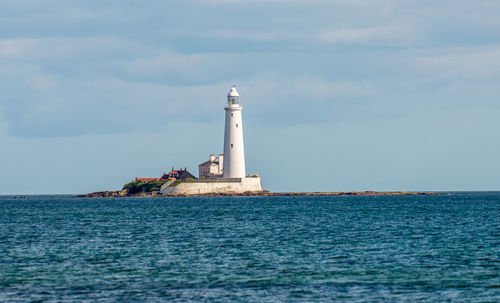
(213, 186)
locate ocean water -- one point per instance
(251, 249)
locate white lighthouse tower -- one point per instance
(234, 179)
(234, 153)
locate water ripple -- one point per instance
(251, 249)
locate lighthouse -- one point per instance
(234, 153)
(226, 173)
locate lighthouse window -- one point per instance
(231, 145)
(231, 114)
(236, 125)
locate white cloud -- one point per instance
(166, 62)
(263, 36)
(397, 32)
(3, 123)
(44, 83)
(324, 88)
(124, 74)
(303, 2)
(64, 48)
(309, 87)
(17, 47)
(462, 62)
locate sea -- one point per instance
(442, 248)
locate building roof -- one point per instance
(185, 175)
(180, 174)
(233, 92)
(207, 163)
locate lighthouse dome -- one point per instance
(233, 92)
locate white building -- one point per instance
(234, 153)
(211, 168)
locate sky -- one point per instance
(338, 95)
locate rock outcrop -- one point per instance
(265, 193)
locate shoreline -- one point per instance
(123, 194)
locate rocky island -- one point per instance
(222, 175)
(265, 193)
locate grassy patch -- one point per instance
(136, 187)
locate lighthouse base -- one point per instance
(213, 186)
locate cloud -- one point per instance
(54, 105)
(277, 100)
(3, 123)
(299, 2)
(261, 36)
(45, 83)
(462, 62)
(16, 47)
(119, 67)
(83, 48)
(170, 66)
(309, 87)
(355, 34)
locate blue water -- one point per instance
(251, 249)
